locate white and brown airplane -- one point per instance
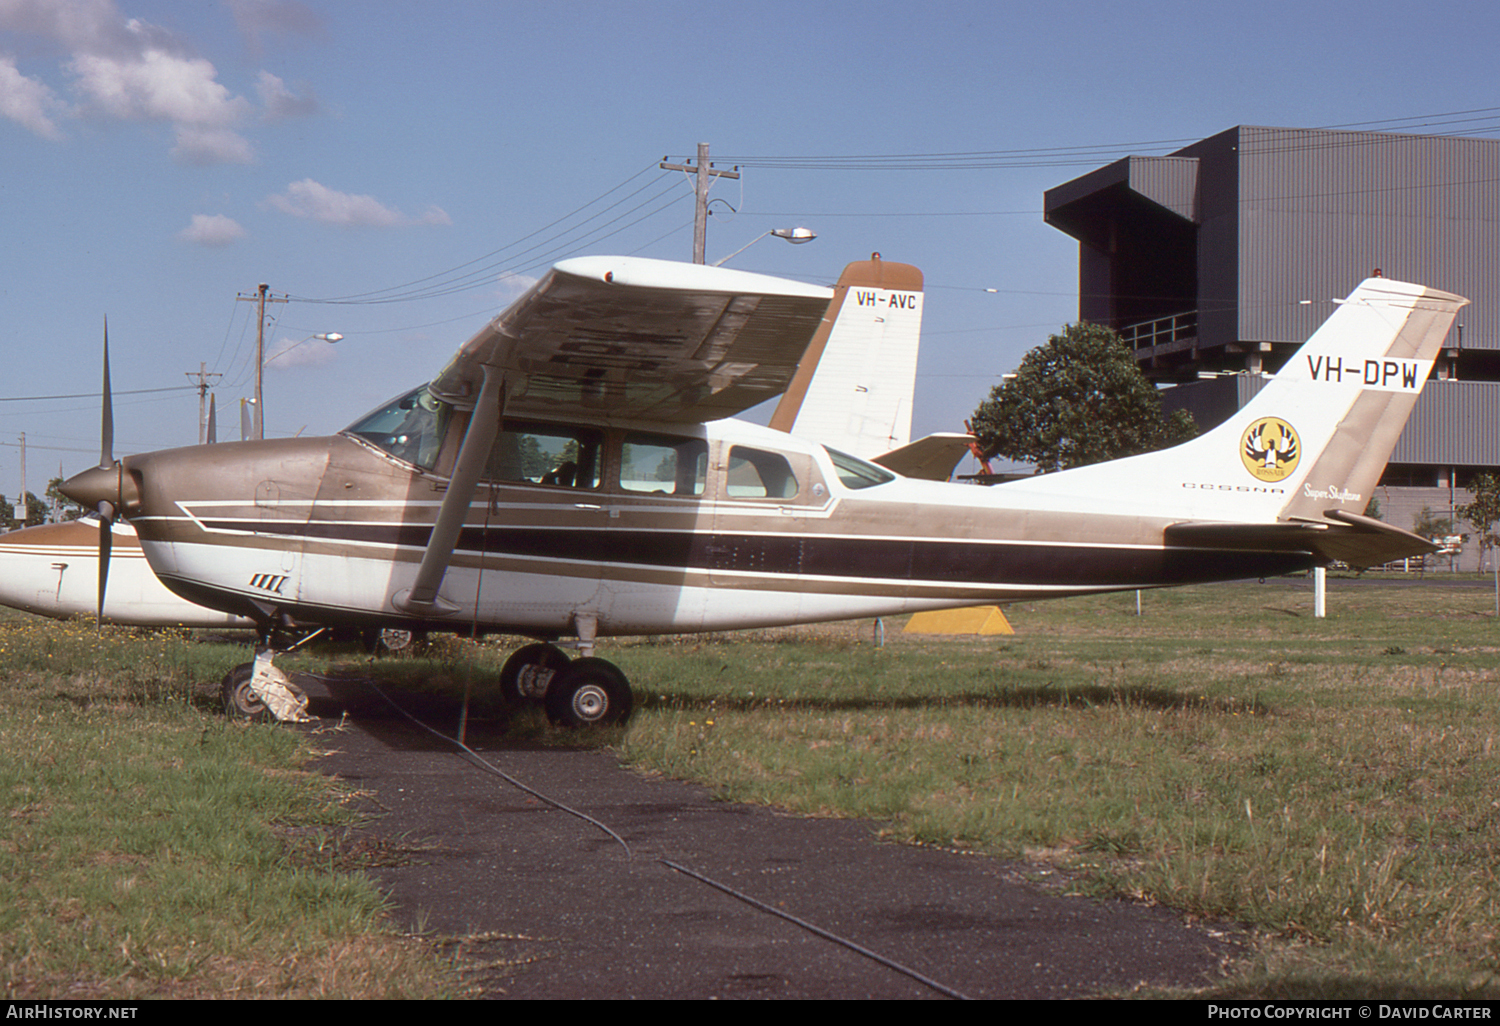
(53, 570)
(854, 391)
(571, 474)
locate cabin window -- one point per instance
(410, 428)
(663, 465)
(545, 454)
(756, 474)
(855, 472)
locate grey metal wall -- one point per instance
(1455, 423)
(1317, 211)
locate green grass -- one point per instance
(151, 848)
(1328, 785)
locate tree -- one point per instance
(1077, 400)
(36, 512)
(1483, 513)
(1432, 525)
(66, 508)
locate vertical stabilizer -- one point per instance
(1314, 441)
(853, 388)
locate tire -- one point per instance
(240, 702)
(589, 693)
(525, 676)
(393, 641)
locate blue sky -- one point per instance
(157, 159)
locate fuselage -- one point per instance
(641, 528)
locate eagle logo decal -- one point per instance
(1270, 449)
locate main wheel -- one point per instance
(589, 692)
(529, 672)
(240, 701)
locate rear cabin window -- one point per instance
(545, 454)
(663, 465)
(756, 474)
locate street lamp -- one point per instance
(328, 336)
(796, 236)
(260, 367)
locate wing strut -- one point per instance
(422, 598)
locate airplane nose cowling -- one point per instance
(112, 484)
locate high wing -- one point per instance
(640, 339)
(610, 338)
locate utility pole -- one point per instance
(260, 299)
(25, 507)
(703, 172)
(203, 384)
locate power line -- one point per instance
(93, 395)
(1488, 120)
(469, 276)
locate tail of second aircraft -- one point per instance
(853, 387)
(1312, 444)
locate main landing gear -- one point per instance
(581, 692)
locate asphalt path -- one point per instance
(671, 894)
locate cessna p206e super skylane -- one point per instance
(569, 474)
(854, 392)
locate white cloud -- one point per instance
(283, 18)
(212, 230)
(317, 202)
(94, 26)
(286, 353)
(207, 146)
(160, 86)
(130, 70)
(28, 102)
(281, 103)
(511, 287)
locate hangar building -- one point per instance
(1205, 261)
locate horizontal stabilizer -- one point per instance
(1353, 539)
(932, 458)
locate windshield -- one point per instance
(409, 428)
(855, 472)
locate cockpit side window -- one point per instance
(409, 428)
(854, 472)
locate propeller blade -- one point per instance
(106, 461)
(213, 418)
(106, 542)
(107, 415)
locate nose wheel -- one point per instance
(259, 691)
